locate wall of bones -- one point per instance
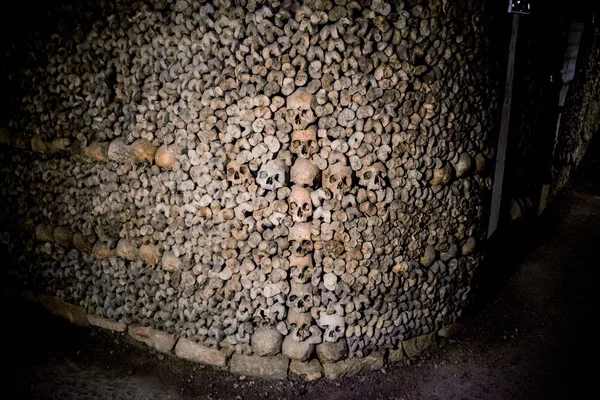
(260, 177)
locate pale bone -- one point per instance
(300, 204)
(373, 177)
(299, 112)
(338, 179)
(304, 142)
(300, 297)
(304, 173)
(272, 175)
(238, 173)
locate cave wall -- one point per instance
(253, 177)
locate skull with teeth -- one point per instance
(299, 112)
(300, 204)
(334, 326)
(238, 173)
(301, 268)
(304, 142)
(338, 179)
(272, 174)
(300, 238)
(373, 177)
(300, 298)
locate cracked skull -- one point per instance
(299, 112)
(373, 177)
(238, 173)
(271, 175)
(334, 326)
(338, 178)
(304, 142)
(301, 242)
(300, 204)
(300, 298)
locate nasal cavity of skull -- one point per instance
(237, 174)
(342, 180)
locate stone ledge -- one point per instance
(60, 308)
(310, 371)
(161, 341)
(105, 323)
(198, 353)
(353, 366)
(415, 346)
(266, 367)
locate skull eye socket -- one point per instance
(276, 177)
(332, 179)
(293, 206)
(312, 143)
(243, 170)
(230, 171)
(263, 175)
(306, 243)
(368, 175)
(296, 144)
(293, 297)
(306, 207)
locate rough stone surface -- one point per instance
(415, 346)
(267, 367)
(295, 350)
(329, 352)
(106, 323)
(310, 371)
(353, 366)
(60, 308)
(195, 352)
(448, 330)
(161, 341)
(396, 355)
(266, 342)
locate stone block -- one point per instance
(161, 341)
(60, 308)
(415, 346)
(105, 323)
(267, 367)
(353, 366)
(310, 371)
(198, 353)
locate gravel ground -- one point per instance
(529, 335)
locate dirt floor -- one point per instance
(529, 335)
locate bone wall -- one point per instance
(263, 177)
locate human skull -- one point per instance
(300, 204)
(301, 268)
(300, 298)
(304, 142)
(300, 238)
(271, 175)
(334, 326)
(304, 172)
(299, 112)
(373, 177)
(338, 179)
(238, 173)
(299, 323)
